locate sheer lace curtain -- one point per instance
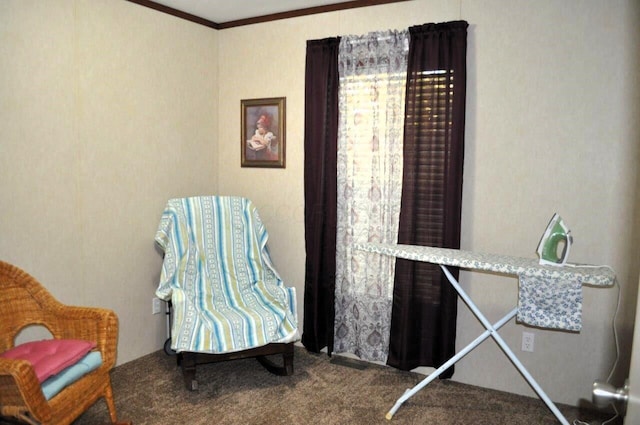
(371, 97)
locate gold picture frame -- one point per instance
(262, 142)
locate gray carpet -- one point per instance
(150, 390)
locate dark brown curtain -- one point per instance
(320, 191)
(423, 323)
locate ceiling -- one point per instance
(221, 14)
(220, 11)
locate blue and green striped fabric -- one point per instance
(217, 271)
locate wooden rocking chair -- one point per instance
(228, 299)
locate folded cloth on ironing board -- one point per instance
(550, 303)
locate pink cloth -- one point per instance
(50, 356)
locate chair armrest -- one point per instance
(91, 324)
(20, 389)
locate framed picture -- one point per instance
(263, 132)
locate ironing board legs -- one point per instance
(491, 330)
(409, 393)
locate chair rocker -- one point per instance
(227, 299)
(188, 361)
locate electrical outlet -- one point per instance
(527, 341)
(155, 306)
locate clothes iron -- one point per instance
(556, 237)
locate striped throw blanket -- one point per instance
(217, 271)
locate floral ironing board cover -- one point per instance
(549, 296)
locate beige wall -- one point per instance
(549, 128)
(107, 109)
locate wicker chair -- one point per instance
(25, 302)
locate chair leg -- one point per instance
(108, 398)
(287, 363)
(188, 365)
(24, 417)
(287, 359)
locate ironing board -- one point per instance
(586, 275)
